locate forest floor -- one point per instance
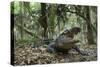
(27, 55)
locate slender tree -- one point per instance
(43, 19)
(90, 37)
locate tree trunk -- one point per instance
(43, 20)
(90, 37)
(52, 14)
(21, 19)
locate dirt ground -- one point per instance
(29, 56)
